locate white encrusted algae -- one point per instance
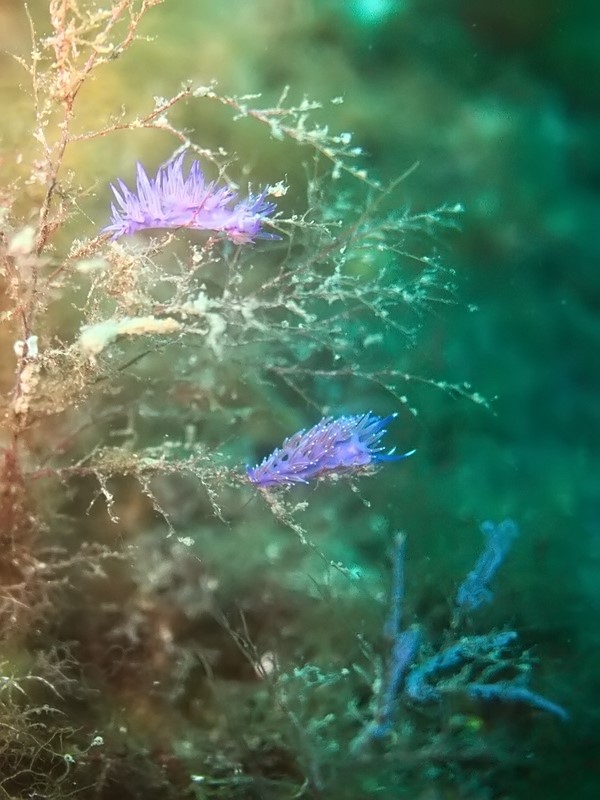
(28, 374)
(94, 338)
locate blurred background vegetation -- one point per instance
(499, 104)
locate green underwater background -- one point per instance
(200, 638)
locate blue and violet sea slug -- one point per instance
(335, 445)
(173, 200)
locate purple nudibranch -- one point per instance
(339, 445)
(172, 200)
